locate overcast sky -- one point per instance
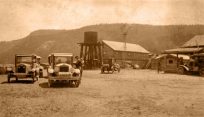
(20, 17)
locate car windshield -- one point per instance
(24, 59)
(107, 61)
(62, 59)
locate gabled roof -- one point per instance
(26, 55)
(195, 41)
(120, 46)
(183, 50)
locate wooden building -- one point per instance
(125, 53)
(168, 62)
(194, 45)
(191, 47)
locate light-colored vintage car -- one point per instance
(61, 69)
(26, 66)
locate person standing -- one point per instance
(158, 66)
(79, 64)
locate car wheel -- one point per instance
(181, 70)
(49, 83)
(72, 83)
(76, 83)
(201, 72)
(9, 77)
(41, 74)
(37, 78)
(16, 79)
(33, 79)
(112, 70)
(118, 70)
(102, 70)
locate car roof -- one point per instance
(199, 55)
(61, 54)
(39, 57)
(26, 55)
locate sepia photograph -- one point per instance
(101, 58)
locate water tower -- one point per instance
(91, 50)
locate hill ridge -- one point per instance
(153, 38)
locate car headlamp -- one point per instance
(50, 70)
(9, 69)
(56, 69)
(77, 71)
(33, 70)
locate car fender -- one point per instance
(185, 67)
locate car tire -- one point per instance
(181, 70)
(9, 78)
(118, 70)
(102, 70)
(41, 74)
(37, 78)
(201, 72)
(16, 79)
(76, 83)
(49, 83)
(112, 70)
(33, 79)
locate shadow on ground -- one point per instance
(18, 82)
(55, 85)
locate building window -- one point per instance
(116, 53)
(129, 54)
(171, 61)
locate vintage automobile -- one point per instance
(109, 67)
(194, 66)
(25, 67)
(61, 69)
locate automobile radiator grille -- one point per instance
(64, 69)
(21, 69)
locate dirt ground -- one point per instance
(131, 93)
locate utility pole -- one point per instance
(124, 28)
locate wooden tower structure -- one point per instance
(91, 50)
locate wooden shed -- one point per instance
(169, 62)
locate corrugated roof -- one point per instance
(183, 50)
(195, 41)
(130, 47)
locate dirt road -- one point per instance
(131, 93)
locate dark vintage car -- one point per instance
(194, 66)
(61, 69)
(26, 67)
(109, 66)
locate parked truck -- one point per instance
(194, 66)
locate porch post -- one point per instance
(177, 60)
